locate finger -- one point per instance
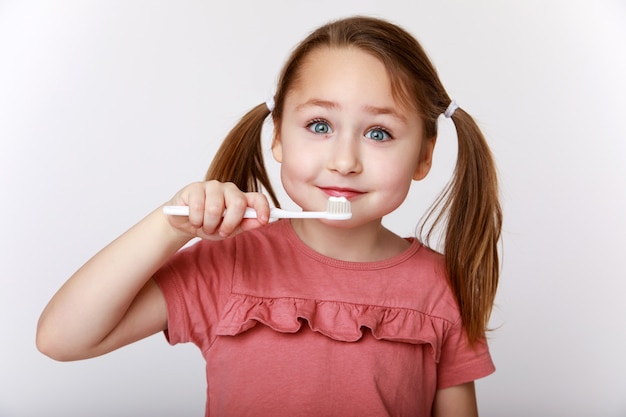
(259, 202)
(236, 203)
(213, 207)
(195, 197)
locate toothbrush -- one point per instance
(337, 208)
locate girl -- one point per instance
(313, 317)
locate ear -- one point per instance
(425, 158)
(277, 148)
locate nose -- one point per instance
(345, 155)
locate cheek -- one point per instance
(298, 162)
(295, 166)
(394, 180)
(399, 189)
(394, 171)
(297, 173)
(395, 195)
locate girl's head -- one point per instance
(468, 208)
(342, 132)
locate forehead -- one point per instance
(346, 66)
(349, 70)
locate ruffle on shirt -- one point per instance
(340, 321)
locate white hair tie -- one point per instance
(451, 108)
(270, 104)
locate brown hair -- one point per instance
(468, 209)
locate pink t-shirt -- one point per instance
(286, 331)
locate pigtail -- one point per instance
(470, 210)
(240, 157)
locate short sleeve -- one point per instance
(461, 362)
(196, 283)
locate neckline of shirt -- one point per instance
(295, 240)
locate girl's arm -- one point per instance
(456, 401)
(112, 301)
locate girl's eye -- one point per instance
(378, 134)
(320, 127)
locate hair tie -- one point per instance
(270, 104)
(451, 108)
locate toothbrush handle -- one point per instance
(275, 213)
(184, 211)
(176, 210)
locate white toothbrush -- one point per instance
(338, 208)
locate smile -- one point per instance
(348, 193)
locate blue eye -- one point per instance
(320, 127)
(378, 134)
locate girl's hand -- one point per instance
(207, 202)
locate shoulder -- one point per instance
(430, 263)
(428, 277)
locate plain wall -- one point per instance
(107, 108)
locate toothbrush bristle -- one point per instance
(339, 208)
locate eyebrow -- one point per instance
(314, 102)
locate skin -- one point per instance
(342, 134)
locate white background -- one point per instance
(107, 108)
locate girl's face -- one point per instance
(343, 134)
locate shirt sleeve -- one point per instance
(196, 283)
(461, 362)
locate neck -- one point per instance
(366, 243)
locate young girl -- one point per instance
(313, 317)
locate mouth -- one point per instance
(348, 193)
